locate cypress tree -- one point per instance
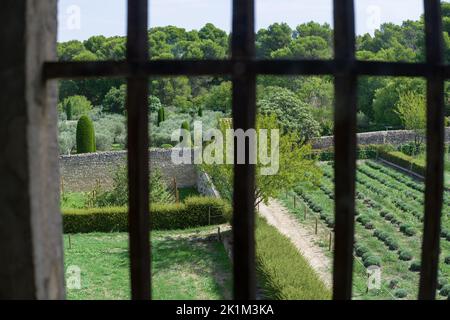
(85, 135)
(161, 115)
(200, 112)
(185, 126)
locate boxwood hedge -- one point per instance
(194, 212)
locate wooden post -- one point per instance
(62, 186)
(329, 243)
(175, 189)
(294, 201)
(304, 212)
(219, 235)
(70, 242)
(315, 229)
(209, 216)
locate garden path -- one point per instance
(303, 239)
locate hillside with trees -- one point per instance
(209, 98)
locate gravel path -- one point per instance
(278, 216)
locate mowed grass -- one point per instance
(188, 264)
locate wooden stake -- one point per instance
(305, 212)
(329, 243)
(294, 201)
(315, 230)
(209, 216)
(70, 243)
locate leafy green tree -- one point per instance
(161, 116)
(275, 37)
(219, 98)
(118, 196)
(295, 165)
(411, 109)
(293, 115)
(115, 99)
(387, 97)
(75, 107)
(85, 135)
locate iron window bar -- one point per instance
(244, 67)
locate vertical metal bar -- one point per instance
(244, 117)
(138, 168)
(345, 148)
(435, 151)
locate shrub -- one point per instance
(415, 266)
(285, 274)
(118, 196)
(200, 112)
(404, 161)
(445, 290)
(361, 250)
(441, 282)
(444, 233)
(405, 255)
(393, 284)
(166, 146)
(407, 229)
(400, 293)
(194, 212)
(447, 260)
(85, 135)
(372, 261)
(161, 115)
(389, 216)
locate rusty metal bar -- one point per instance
(345, 149)
(244, 117)
(138, 168)
(434, 178)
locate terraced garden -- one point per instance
(388, 229)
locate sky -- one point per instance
(81, 19)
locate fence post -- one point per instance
(209, 216)
(315, 229)
(62, 186)
(329, 243)
(70, 242)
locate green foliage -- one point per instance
(85, 135)
(75, 106)
(292, 114)
(447, 260)
(114, 101)
(372, 261)
(118, 195)
(400, 293)
(194, 212)
(445, 290)
(285, 274)
(415, 266)
(404, 161)
(200, 112)
(218, 98)
(387, 98)
(161, 115)
(294, 165)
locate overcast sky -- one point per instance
(80, 19)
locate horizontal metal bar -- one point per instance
(123, 69)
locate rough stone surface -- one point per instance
(83, 172)
(394, 137)
(30, 222)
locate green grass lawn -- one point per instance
(185, 265)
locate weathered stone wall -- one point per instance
(394, 137)
(82, 172)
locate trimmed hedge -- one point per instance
(194, 212)
(284, 273)
(363, 152)
(404, 161)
